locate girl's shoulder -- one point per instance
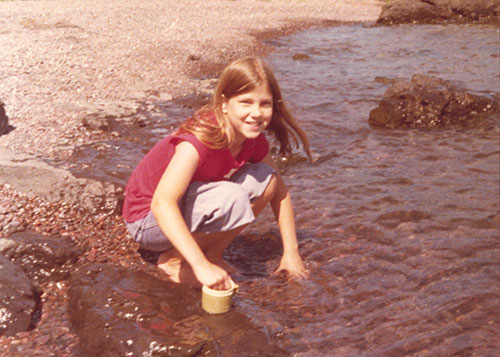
(200, 147)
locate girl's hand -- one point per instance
(213, 276)
(292, 263)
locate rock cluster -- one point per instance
(427, 102)
(439, 11)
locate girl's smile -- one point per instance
(249, 113)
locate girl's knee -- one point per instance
(233, 196)
(233, 209)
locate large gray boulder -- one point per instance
(426, 102)
(19, 299)
(27, 174)
(440, 11)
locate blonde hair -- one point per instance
(242, 76)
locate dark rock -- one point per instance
(427, 102)
(194, 57)
(41, 258)
(19, 299)
(116, 312)
(440, 11)
(4, 120)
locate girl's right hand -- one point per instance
(213, 276)
(292, 263)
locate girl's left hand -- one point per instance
(292, 263)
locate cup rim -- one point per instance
(221, 293)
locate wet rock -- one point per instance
(427, 102)
(30, 175)
(41, 258)
(105, 115)
(439, 11)
(19, 299)
(116, 312)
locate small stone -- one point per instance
(300, 56)
(12, 227)
(165, 96)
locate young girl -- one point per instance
(202, 185)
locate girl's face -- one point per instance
(249, 113)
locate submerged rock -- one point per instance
(440, 11)
(427, 102)
(19, 299)
(117, 312)
(41, 258)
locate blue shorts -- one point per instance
(209, 207)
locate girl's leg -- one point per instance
(212, 244)
(217, 243)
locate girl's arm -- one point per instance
(282, 207)
(165, 207)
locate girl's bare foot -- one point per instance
(178, 271)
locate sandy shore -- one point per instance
(60, 56)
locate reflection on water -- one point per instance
(398, 227)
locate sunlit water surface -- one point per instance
(399, 228)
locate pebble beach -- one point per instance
(60, 56)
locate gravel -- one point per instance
(60, 56)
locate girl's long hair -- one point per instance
(239, 77)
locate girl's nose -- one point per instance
(256, 111)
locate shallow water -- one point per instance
(399, 228)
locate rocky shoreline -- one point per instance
(66, 68)
(70, 70)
